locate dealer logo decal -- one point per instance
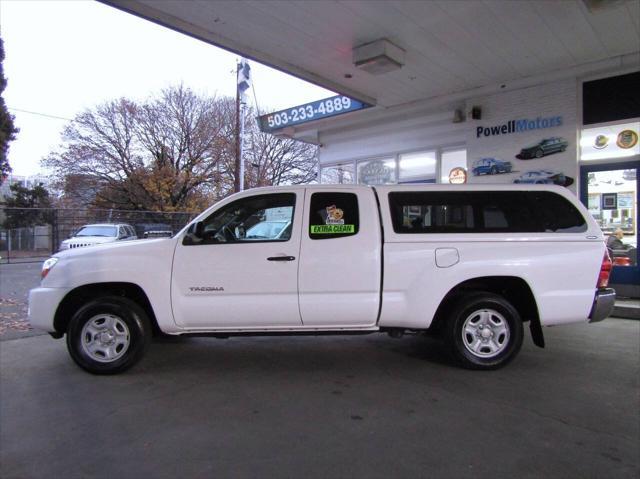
(627, 139)
(518, 126)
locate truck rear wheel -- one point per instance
(484, 331)
(108, 335)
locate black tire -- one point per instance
(499, 312)
(494, 170)
(539, 153)
(118, 327)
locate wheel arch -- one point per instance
(513, 288)
(78, 296)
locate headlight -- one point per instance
(47, 265)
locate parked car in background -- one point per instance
(490, 166)
(91, 235)
(154, 230)
(544, 177)
(544, 147)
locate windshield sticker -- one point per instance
(334, 216)
(332, 229)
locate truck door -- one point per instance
(340, 258)
(242, 271)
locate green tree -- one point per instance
(7, 128)
(27, 206)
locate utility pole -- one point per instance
(243, 83)
(237, 185)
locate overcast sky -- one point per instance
(66, 56)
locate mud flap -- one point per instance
(536, 332)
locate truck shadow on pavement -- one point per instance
(291, 354)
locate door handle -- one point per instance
(281, 258)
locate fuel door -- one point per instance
(447, 257)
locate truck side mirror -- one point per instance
(194, 235)
(198, 230)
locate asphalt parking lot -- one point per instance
(362, 406)
(16, 280)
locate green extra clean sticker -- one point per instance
(332, 229)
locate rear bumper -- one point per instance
(603, 305)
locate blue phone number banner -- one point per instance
(316, 110)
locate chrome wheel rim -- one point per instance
(105, 338)
(485, 333)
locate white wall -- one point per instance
(547, 100)
(394, 133)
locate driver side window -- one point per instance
(249, 220)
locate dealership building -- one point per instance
(450, 92)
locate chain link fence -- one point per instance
(33, 234)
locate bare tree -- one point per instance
(173, 152)
(272, 160)
(160, 155)
(280, 161)
(184, 134)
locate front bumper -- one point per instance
(603, 304)
(43, 303)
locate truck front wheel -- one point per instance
(108, 335)
(484, 331)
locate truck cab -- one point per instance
(324, 273)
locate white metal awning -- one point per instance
(451, 46)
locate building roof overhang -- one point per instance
(453, 50)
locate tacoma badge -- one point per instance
(205, 288)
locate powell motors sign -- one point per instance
(518, 126)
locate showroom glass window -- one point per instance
(450, 159)
(377, 172)
(418, 167)
(341, 174)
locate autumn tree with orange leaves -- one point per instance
(170, 153)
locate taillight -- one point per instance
(621, 261)
(605, 270)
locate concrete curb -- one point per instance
(627, 309)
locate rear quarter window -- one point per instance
(333, 215)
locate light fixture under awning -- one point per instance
(378, 57)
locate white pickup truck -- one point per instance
(472, 263)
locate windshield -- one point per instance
(97, 231)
